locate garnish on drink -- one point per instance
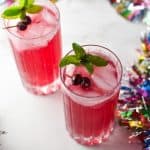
(80, 57)
(20, 11)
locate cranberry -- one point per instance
(86, 83)
(21, 26)
(27, 20)
(76, 79)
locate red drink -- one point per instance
(37, 50)
(90, 113)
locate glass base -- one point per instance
(43, 90)
(107, 134)
(88, 141)
(92, 140)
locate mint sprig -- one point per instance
(34, 9)
(20, 10)
(82, 58)
(79, 51)
(70, 59)
(12, 12)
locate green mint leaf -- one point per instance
(30, 2)
(53, 1)
(96, 60)
(12, 12)
(26, 3)
(82, 58)
(70, 59)
(34, 9)
(22, 3)
(79, 51)
(89, 67)
(23, 14)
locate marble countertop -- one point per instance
(36, 122)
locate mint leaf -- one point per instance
(12, 12)
(79, 51)
(20, 11)
(89, 67)
(96, 60)
(30, 2)
(26, 3)
(82, 58)
(23, 14)
(53, 1)
(22, 3)
(34, 9)
(71, 59)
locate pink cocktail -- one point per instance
(90, 112)
(37, 49)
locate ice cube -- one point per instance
(49, 17)
(70, 70)
(40, 31)
(107, 74)
(101, 84)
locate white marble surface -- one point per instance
(37, 123)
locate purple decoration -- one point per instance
(145, 88)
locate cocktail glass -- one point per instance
(37, 50)
(90, 113)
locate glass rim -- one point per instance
(26, 39)
(89, 97)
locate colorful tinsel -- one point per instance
(134, 104)
(133, 10)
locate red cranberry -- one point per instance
(27, 20)
(21, 26)
(86, 83)
(76, 79)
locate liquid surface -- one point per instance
(103, 80)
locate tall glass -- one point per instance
(90, 113)
(37, 50)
